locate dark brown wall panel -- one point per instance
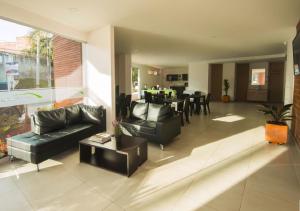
(241, 82)
(296, 107)
(216, 77)
(276, 76)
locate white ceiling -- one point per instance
(176, 32)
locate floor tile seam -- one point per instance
(182, 194)
(297, 176)
(274, 198)
(247, 179)
(62, 193)
(159, 189)
(24, 195)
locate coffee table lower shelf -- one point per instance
(124, 161)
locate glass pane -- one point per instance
(135, 79)
(38, 71)
(258, 77)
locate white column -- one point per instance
(124, 65)
(289, 71)
(99, 71)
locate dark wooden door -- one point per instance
(275, 87)
(241, 82)
(216, 76)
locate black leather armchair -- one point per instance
(155, 122)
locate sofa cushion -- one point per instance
(92, 114)
(48, 121)
(139, 111)
(73, 114)
(139, 126)
(52, 141)
(158, 112)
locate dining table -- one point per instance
(157, 91)
(173, 102)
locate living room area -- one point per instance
(131, 106)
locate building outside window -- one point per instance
(38, 71)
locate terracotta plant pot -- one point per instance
(276, 133)
(226, 98)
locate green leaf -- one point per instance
(34, 94)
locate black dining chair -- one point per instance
(148, 97)
(197, 93)
(183, 96)
(203, 104)
(207, 100)
(159, 98)
(192, 104)
(183, 109)
(197, 99)
(128, 101)
(122, 105)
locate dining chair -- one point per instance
(128, 101)
(159, 98)
(197, 93)
(122, 105)
(207, 100)
(197, 99)
(202, 102)
(148, 97)
(183, 108)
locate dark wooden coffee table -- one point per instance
(122, 155)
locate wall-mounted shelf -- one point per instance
(177, 77)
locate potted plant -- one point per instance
(226, 97)
(276, 127)
(117, 128)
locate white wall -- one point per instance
(24, 17)
(289, 72)
(198, 76)
(124, 73)
(173, 70)
(229, 73)
(99, 72)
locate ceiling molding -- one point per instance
(281, 56)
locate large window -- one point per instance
(135, 79)
(38, 71)
(258, 77)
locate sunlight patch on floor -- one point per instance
(229, 118)
(164, 159)
(225, 168)
(28, 167)
(218, 179)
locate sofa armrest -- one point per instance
(168, 129)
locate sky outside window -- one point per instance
(12, 30)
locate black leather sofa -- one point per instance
(56, 131)
(155, 122)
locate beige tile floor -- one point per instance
(219, 162)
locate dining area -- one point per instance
(184, 104)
